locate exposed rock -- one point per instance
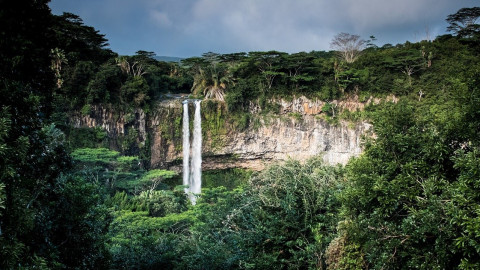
(299, 136)
(281, 139)
(115, 122)
(307, 106)
(277, 138)
(163, 151)
(301, 105)
(298, 139)
(99, 116)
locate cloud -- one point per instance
(306, 24)
(192, 27)
(161, 18)
(378, 14)
(261, 25)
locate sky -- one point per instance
(186, 28)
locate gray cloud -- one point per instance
(192, 27)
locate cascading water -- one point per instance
(196, 185)
(192, 169)
(186, 146)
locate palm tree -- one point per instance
(136, 69)
(58, 58)
(212, 81)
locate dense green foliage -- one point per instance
(283, 218)
(403, 202)
(229, 178)
(411, 200)
(49, 219)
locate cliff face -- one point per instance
(297, 132)
(281, 139)
(297, 139)
(116, 123)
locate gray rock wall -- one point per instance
(279, 137)
(297, 132)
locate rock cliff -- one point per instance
(282, 138)
(298, 131)
(115, 123)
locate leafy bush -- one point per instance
(403, 202)
(128, 163)
(229, 178)
(145, 180)
(95, 155)
(86, 109)
(138, 241)
(284, 218)
(87, 137)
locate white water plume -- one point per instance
(192, 169)
(186, 146)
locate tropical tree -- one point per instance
(58, 58)
(212, 78)
(407, 61)
(81, 42)
(464, 22)
(397, 201)
(283, 219)
(300, 70)
(268, 63)
(349, 47)
(130, 67)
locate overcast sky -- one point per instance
(187, 28)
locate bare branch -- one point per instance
(349, 47)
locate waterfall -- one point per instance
(192, 169)
(186, 145)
